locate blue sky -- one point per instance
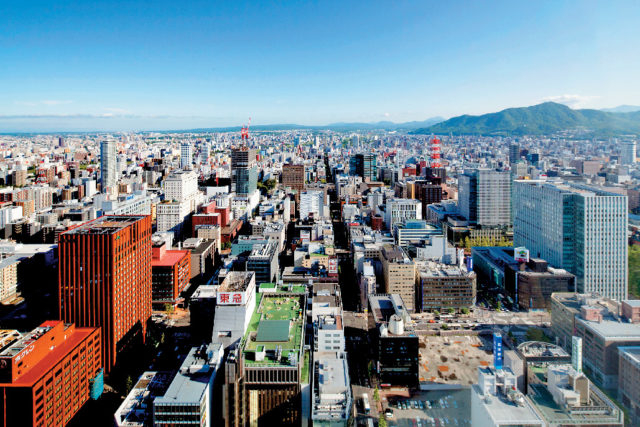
(84, 65)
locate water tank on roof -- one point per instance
(396, 325)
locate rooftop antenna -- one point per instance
(244, 133)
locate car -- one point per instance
(420, 404)
(388, 413)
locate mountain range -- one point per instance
(545, 118)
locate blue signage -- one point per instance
(497, 350)
(469, 263)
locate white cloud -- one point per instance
(573, 101)
(387, 114)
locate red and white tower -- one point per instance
(435, 153)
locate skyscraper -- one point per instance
(244, 171)
(186, 155)
(578, 228)
(105, 279)
(514, 153)
(108, 165)
(628, 152)
(485, 197)
(364, 166)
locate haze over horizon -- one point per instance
(128, 66)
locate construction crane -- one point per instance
(244, 132)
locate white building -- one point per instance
(311, 203)
(400, 210)
(578, 228)
(108, 165)
(186, 155)
(627, 152)
(495, 401)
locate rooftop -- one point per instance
(135, 410)
(277, 328)
(612, 329)
(107, 224)
(170, 258)
(236, 281)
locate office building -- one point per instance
(48, 374)
(170, 274)
(235, 304)
(189, 397)
(263, 260)
(401, 210)
(578, 228)
(514, 153)
(244, 171)
(332, 398)
(105, 279)
(628, 152)
(442, 286)
(9, 279)
(186, 155)
(413, 231)
(137, 408)
(629, 383)
(293, 177)
(364, 166)
(396, 342)
(202, 312)
(108, 165)
(496, 401)
(311, 204)
(399, 274)
(484, 197)
(264, 373)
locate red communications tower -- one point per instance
(244, 132)
(435, 153)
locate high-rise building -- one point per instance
(364, 166)
(186, 155)
(578, 228)
(399, 273)
(46, 375)
(293, 177)
(105, 279)
(108, 165)
(244, 171)
(484, 197)
(311, 203)
(514, 153)
(628, 152)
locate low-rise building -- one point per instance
(170, 274)
(442, 286)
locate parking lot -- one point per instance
(431, 408)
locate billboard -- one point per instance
(576, 353)
(305, 237)
(497, 350)
(521, 254)
(333, 266)
(231, 298)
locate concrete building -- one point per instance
(332, 398)
(137, 408)
(629, 383)
(244, 171)
(311, 204)
(202, 311)
(628, 152)
(364, 166)
(484, 197)
(442, 286)
(395, 341)
(263, 260)
(170, 275)
(108, 165)
(580, 229)
(186, 155)
(33, 366)
(399, 274)
(413, 231)
(235, 304)
(495, 401)
(189, 397)
(401, 210)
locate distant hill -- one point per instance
(622, 109)
(340, 127)
(545, 118)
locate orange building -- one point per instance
(46, 375)
(105, 279)
(171, 270)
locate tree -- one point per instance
(128, 384)
(376, 395)
(168, 308)
(436, 312)
(499, 305)
(464, 310)
(451, 310)
(382, 421)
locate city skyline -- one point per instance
(124, 66)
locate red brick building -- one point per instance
(105, 279)
(171, 271)
(46, 375)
